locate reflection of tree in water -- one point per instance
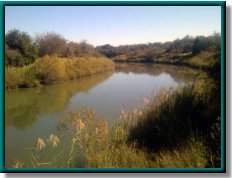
(178, 73)
(22, 106)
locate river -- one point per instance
(34, 112)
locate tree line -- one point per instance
(21, 49)
(188, 44)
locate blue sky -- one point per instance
(115, 25)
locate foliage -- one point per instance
(177, 52)
(205, 60)
(20, 77)
(210, 43)
(50, 44)
(81, 49)
(192, 155)
(52, 69)
(201, 104)
(23, 44)
(54, 44)
(80, 67)
(13, 57)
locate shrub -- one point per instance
(183, 112)
(22, 43)
(50, 69)
(18, 77)
(12, 77)
(13, 57)
(51, 44)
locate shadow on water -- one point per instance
(22, 106)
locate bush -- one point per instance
(20, 77)
(53, 69)
(51, 44)
(187, 111)
(13, 57)
(21, 42)
(50, 69)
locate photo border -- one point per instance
(222, 4)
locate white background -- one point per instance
(177, 175)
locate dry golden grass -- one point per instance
(52, 69)
(40, 144)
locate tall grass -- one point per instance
(174, 117)
(17, 77)
(205, 60)
(90, 142)
(51, 69)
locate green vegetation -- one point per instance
(61, 60)
(17, 77)
(58, 60)
(185, 112)
(20, 49)
(48, 70)
(205, 60)
(198, 52)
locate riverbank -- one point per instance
(205, 60)
(51, 69)
(140, 138)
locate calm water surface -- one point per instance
(34, 112)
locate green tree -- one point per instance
(23, 44)
(13, 57)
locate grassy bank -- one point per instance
(205, 60)
(176, 128)
(51, 69)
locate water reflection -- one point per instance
(178, 73)
(23, 106)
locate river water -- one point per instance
(34, 112)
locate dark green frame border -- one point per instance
(222, 4)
